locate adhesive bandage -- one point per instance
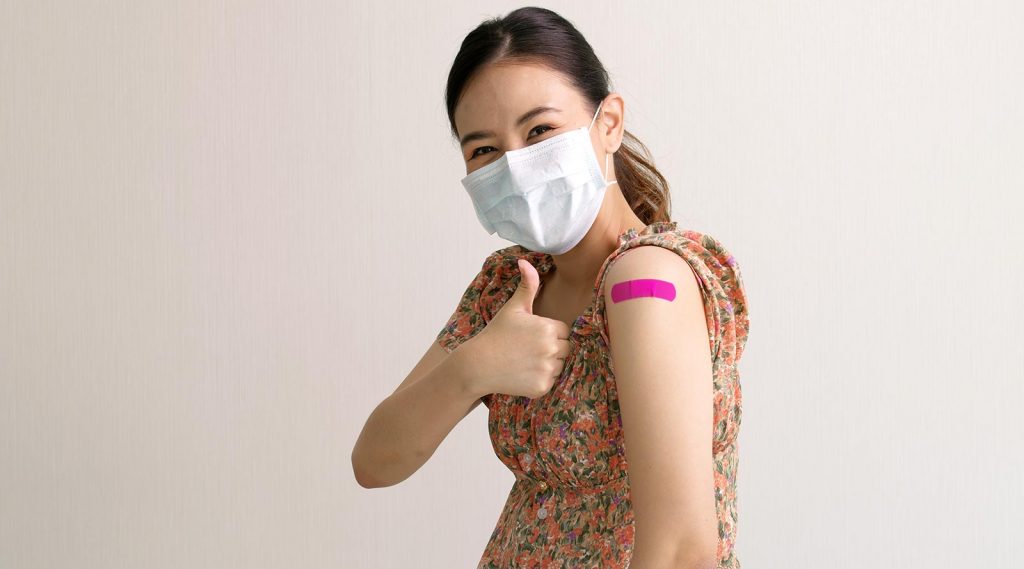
(642, 288)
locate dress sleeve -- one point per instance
(469, 317)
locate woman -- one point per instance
(610, 378)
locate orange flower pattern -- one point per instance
(570, 503)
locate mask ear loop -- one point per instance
(607, 154)
(593, 120)
(605, 175)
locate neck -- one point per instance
(577, 268)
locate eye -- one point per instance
(474, 154)
(476, 151)
(544, 126)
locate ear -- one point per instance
(610, 123)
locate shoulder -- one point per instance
(674, 256)
(653, 285)
(497, 265)
(502, 264)
(711, 262)
(648, 259)
(694, 246)
(499, 275)
(502, 258)
(681, 254)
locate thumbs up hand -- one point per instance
(519, 353)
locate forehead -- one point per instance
(499, 93)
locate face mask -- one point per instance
(544, 196)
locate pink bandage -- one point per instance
(640, 288)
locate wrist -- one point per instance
(464, 369)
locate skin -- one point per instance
(661, 353)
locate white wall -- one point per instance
(229, 229)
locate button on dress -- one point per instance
(570, 504)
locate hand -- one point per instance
(519, 353)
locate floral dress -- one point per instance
(570, 503)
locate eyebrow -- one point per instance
(527, 116)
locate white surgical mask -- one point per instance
(544, 196)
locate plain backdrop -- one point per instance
(229, 229)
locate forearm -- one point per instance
(406, 428)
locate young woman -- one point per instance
(604, 342)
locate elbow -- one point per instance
(376, 471)
(359, 473)
(374, 475)
(363, 476)
(363, 480)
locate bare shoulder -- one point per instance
(651, 261)
(672, 307)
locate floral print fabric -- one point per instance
(570, 503)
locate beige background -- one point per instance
(229, 229)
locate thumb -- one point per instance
(526, 292)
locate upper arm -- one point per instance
(663, 373)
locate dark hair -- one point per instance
(538, 35)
